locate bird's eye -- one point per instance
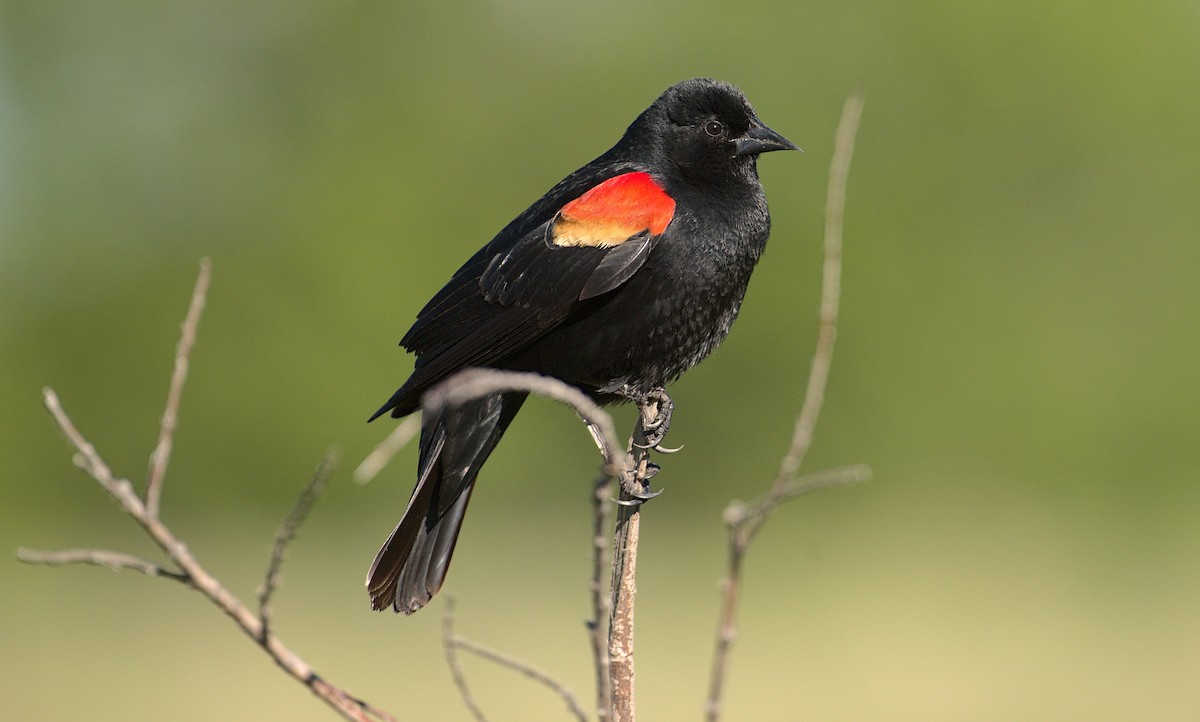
(714, 128)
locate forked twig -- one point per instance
(452, 642)
(744, 520)
(188, 569)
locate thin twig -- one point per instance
(749, 518)
(744, 520)
(537, 675)
(451, 641)
(382, 454)
(170, 419)
(450, 648)
(88, 460)
(601, 602)
(831, 290)
(287, 532)
(474, 383)
(116, 561)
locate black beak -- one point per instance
(761, 139)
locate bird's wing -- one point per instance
(591, 246)
(508, 295)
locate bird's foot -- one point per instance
(636, 487)
(656, 409)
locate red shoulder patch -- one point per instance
(614, 211)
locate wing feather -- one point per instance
(617, 266)
(512, 292)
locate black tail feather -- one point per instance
(412, 564)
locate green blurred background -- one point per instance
(1017, 361)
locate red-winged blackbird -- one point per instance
(623, 276)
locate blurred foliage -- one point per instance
(1017, 360)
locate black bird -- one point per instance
(624, 275)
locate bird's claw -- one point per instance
(636, 487)
(657, 447)
(638, 499)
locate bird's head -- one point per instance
(706, 129)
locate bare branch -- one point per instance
(199, 578)
(287, 532)
(116, 561)
(475, 383)
(382, 455)
(744, 520)
(190, 571)
(170, 419)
